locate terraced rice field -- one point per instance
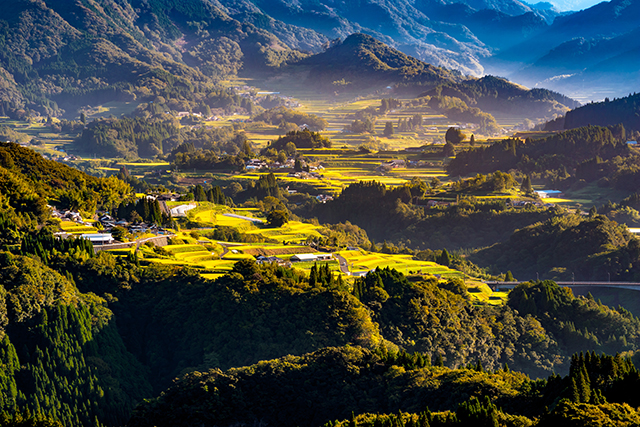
(75, 228)
(292, 232)
(365, 261)
(334, 179)
(481, 293)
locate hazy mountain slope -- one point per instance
(624, 110)
(496, 94)
(427, 29)
(591, 50)
(361, 62)
(496, 28)
(605, 19)
(85, 51)
(297, 37)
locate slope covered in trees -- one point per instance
(592, 248)
(30, 182)
(497, 94)
(397, 214)
(588, 153)
(385, 389)
(361, 61)
(172, 321)
(59, 55)
(62, 356)
(137, 137)
(624, 110)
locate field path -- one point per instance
(246, 218)
(344, 265)
(226, 246)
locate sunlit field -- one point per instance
(359, 261)
(76, 228)
(481, 293)
(291, 232)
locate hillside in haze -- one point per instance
(609, 112)
(593, 51)
(58, 55)
(173, 55)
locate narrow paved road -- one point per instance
(344, 265)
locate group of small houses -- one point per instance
(104, 237)
(262, 259)
(257, 164)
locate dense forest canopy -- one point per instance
(30, 182)
(587, 154)
(136, 137)
(606, 113)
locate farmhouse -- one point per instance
(261, 259)
(311, 257)
(255, 164)
(549, 193)
(99, 238)
(323, 198)
(398, 163)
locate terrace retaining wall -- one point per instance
(157, 240)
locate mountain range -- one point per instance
(590, 54)
(57, 55)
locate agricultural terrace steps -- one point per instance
(157, 240)
(247, 218)
(635, 286)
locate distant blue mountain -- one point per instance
(454, 34)
(594, 51)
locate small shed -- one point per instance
(99, 239)
(311, 257)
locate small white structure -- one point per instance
(311, 257)
(255, 164)
(181, 210)
(397, 163)
(269, 259)
(99, 238)
(548, 193)
(323, 198)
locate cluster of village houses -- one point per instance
(262, 259)
(107, 222)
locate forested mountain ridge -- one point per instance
(625, 110)
(383, 389)
(361, 60)
(362, 63)
(59, 54)
(495, 94)
(62, 356)
(567, 158)
(567, 248)
(595, 48)
(451, 34)
(30, 182)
